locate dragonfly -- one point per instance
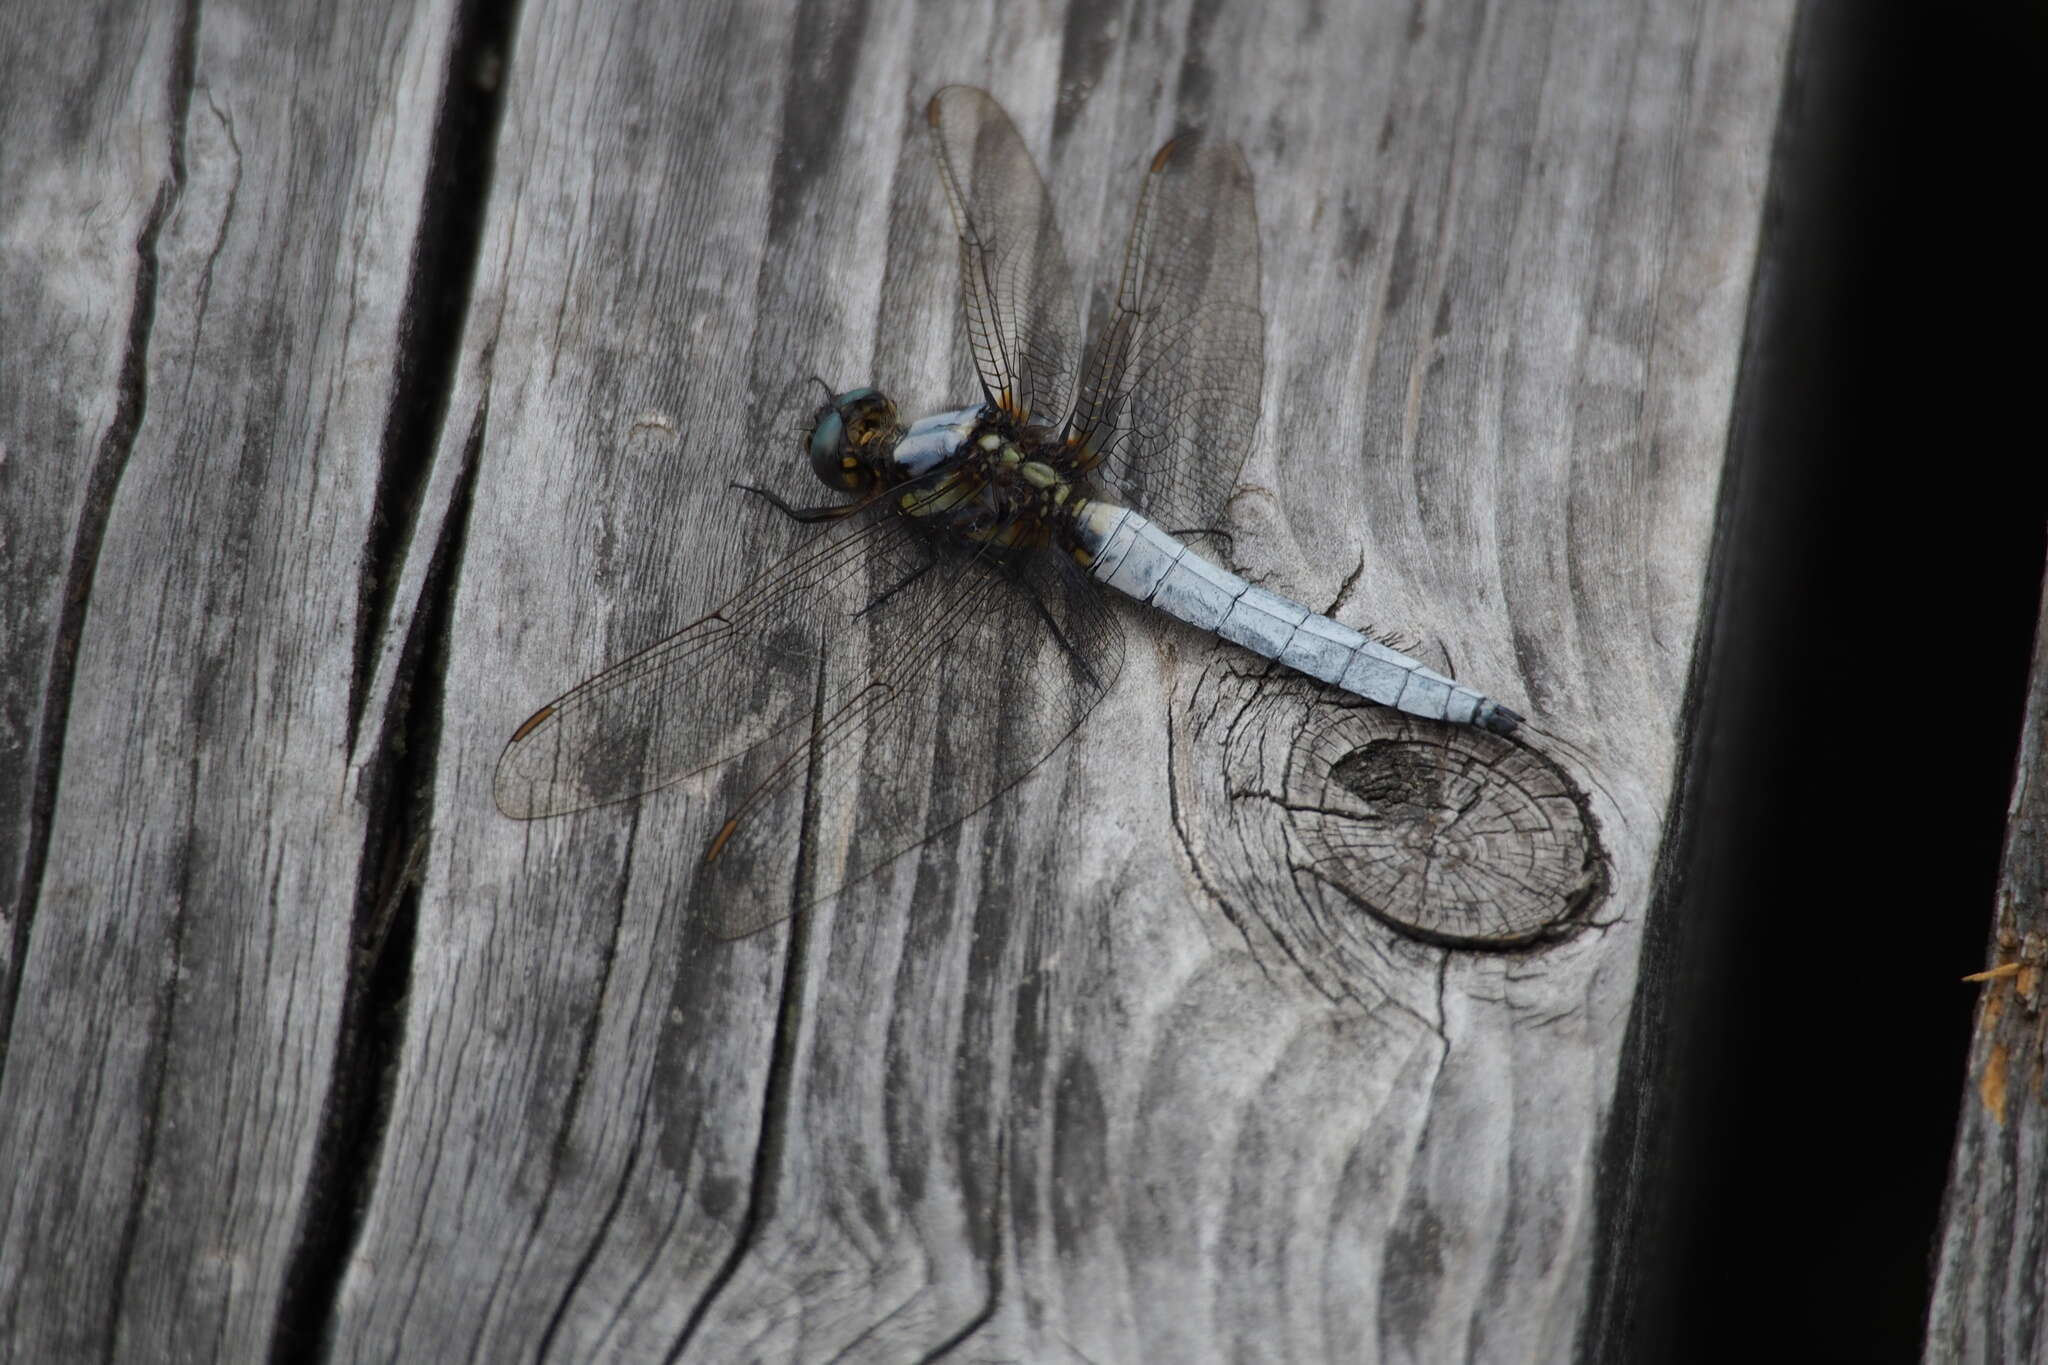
(946, 630)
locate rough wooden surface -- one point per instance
(1107, 1073)
(205, 237)
(1993, 1258)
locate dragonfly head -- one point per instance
(851, 439)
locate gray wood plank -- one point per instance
(1110, 1072)
(203, 259)
(85, 213)
(1993, 1257)
(1121, 1069)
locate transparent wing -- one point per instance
(869, 693)
(973, 674)
(1015, 286)
(1171, 389)
(716, 688)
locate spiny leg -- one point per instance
(837, 511)
(1066, 645)
(931, 561)
(1229, 540)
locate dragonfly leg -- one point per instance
(1066, 645)
(829, 512)
(1229, 541)
(931, 560)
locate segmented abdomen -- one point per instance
(1134, 555)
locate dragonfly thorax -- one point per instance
(979, 477)
(939, 439)
(973, 474)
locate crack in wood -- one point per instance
(778, 1090)
(1214, 893)
(436, 309)
(398, 779)
(110, 461)
(599, 1236)
(398, 784)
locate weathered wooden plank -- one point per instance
(1993, 1257)
(1111, 1072)
(1118, 1070)
(203, 263)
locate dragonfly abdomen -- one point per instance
(1136, 556)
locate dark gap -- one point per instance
(544, 1345)
(586, 1046)
(398, 788)
(431, 323)
(1793, 1071)
(820, 46)
(398, 781)
(109, 462)
(998, 1217)
(775, 1104)
(781, 1080)
(572, 1104)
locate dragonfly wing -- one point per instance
(874, 683)
(1015, 287)
(1170, 392)
(967, 678)
(719, 687)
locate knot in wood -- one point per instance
(1448, 834)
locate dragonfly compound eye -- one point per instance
(850, 436)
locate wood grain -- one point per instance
(1105, 1073)
(1993, 1256)
(206, 236)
